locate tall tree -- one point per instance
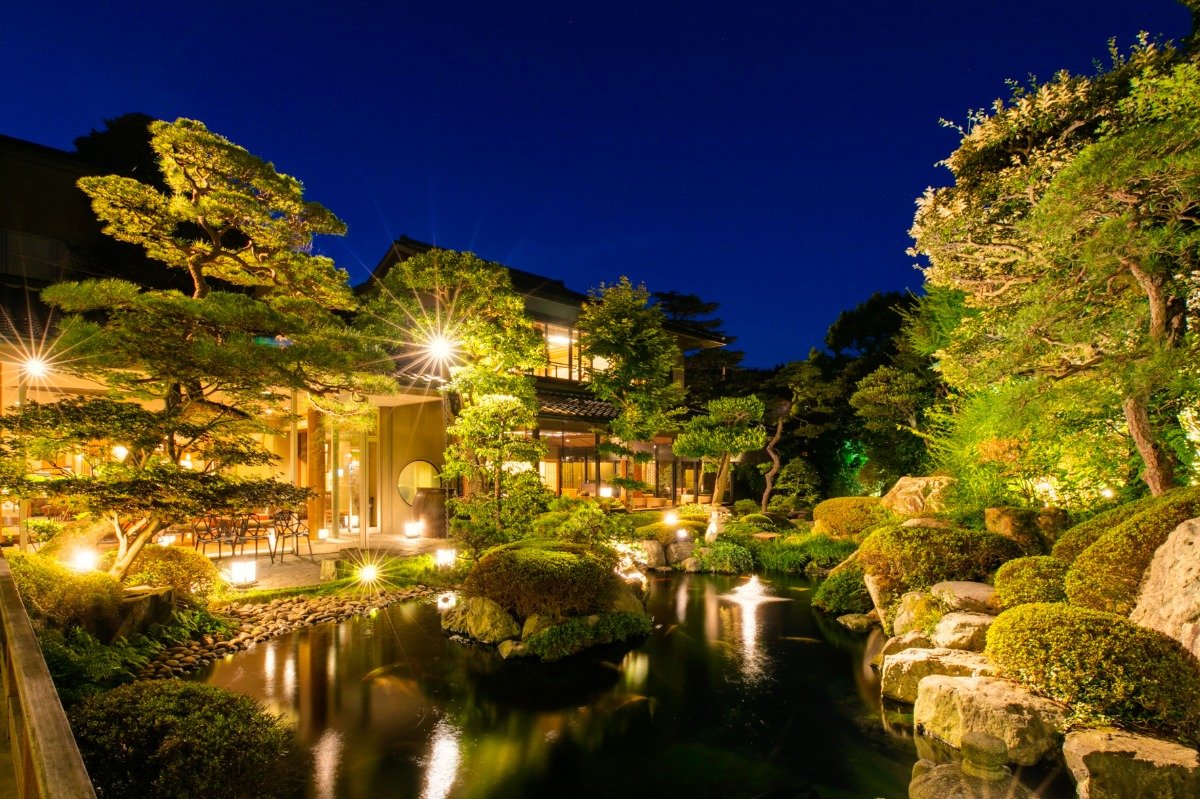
(729, 427)
(709, 371)
(633, 360)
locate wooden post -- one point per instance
(316, 470)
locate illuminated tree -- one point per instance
(730, 427)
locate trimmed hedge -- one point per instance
(192, 575)
(64, 598)
(848, 516)
(667, 534)
(901, 559)
(1108, 574)
(169, 738)
(577, 634)
(725, 557)
(744, 507)
(843, 591)
(1034, 579)
(1073, 542)
(548, 577)
(1108, 669)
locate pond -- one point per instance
(724, 699)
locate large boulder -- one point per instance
(481, 619)
(913, 495)
(624, 600)
(916, 639)
(1169, 600)
(1019, 524)
(963, 631)
(903, 671)
(680, 551)
(653, 554)
(856, 622)
(965, 596)
(916, 610)
(1112, 764)
(948, 708)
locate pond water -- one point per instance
(724, 699)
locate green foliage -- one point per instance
(80, 665)
(901, 559)
(800, 486)
(1108, 669)
(63, 598)
(796, 552)
(1034, 579)
(725, 557)
(577, 634)
(1073, 542)
(691, 510)
(729, 427)
(667, 534)
(193, 576)
(545, 577)
(1107, 575)
(589, 524)
(744, 507)
(843, 591)
(43, 529)
(760, 521)
(848, 516)
(183, 739)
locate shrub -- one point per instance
(578, 634)
(589, 524)
(725, 557)
(691, 510)
(192, 575)
(744, 507)
(781, 503)
(1033, 579)
(81, 666)
(1107, 575)
(182, 739)
(64, 598)
(848, 516)
(901, 559)
(843, 591)
(668, 534)
(44, 529)
(1074, 541)
(760, 520)
(795, 552)
(540, 576)
(1108, 669)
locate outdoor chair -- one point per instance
(252, 528)
(288, 524)
(219, 530)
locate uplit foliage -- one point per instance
(730, 427)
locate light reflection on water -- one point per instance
(720, 701)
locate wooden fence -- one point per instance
(45, 758)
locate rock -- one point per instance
(856, 622)
(963, 631)
(1112, 764)
(915, 610)
(877, 598)
(1169, 600)
(903, 671)
(141, 608)
(980, 775)
(690, 565)
(680, 551)
(535, 624)
(654, 553)
(914, 639)
(948, 708)
(481, 619)
(512, 649)
(913, 495)
(928, 521)
(1019, 524)
(624, 600)
(966, 596)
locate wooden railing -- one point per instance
(45, 758)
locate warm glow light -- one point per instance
(445, 558)
(85, 560)
(606, 492)
(187, 461)
(671, 518)
(243, 572)
(440, 348)
(368, 574)
(441, 767)
(1107, 493)
(414, 529)
(166, 539)
(35, 367)
(681, 534)
(559, 339)
(447, 600)
(323, 533)
(120, 452)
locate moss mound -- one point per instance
(901, 559)
(1107, 575)
(577, 634)
(848, 516)
(1108, 669)
(192, 575)
(63, 598)
(1034, 579)
(795, 553)
(547, 577)
(843, 591)
(169, 738)
(667, 534)
(1074, 541)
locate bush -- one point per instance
(843, 591)
(1075, 540)
(81, 666)
(192, 575)
(172, 738)
(1108, 669)
(63, 598)
(691, 510)
(794, 553)
(575, 635)
(587, 523)
(1108, 574)
(781, 503)
(761, 521)
(667, 534)
(848, 516)
(547, 577)
(725, 557)
(901, 559)
(743, 507)
(1034, 579)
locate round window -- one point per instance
(417, 474)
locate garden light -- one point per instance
(323, 533)
(1107, 493)
(440, 348)
(671, 518)
(682, 534)
(85, 560)
(35, 367)
(606, 492)
(368, 574)
(414, 529)
(445, 558)
(120, 452)
(243, 573)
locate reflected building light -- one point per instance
(441, 768)
(269, 675)
(327, 756)
(681, 602)
(289, 678)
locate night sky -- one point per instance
(763, 155)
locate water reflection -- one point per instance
(746, 599)
(441, 769)
(327, 756)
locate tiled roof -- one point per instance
(574, 406)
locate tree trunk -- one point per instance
(775, 462)
(1160, 464)
(719, 484)
(133, 548)
(316, 471)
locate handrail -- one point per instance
(45, 757)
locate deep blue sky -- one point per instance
(764, 155)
